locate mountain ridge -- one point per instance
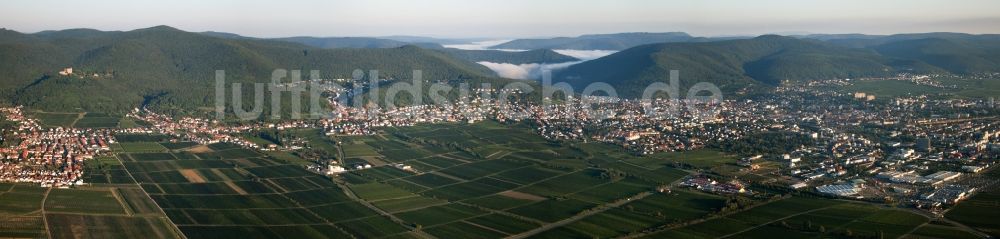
(174, 70)
(736, 64)
(614, 41)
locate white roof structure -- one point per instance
(842, 190)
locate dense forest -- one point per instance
(770, 59)
(512, 57)
(174, 71)
(355, 42)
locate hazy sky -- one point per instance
(507, 18)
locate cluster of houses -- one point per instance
(202, 131)
(647, 126)
(51, 157)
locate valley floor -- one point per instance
(483, 180)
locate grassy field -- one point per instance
(20, 215)
(97, 201)
(97, 120)
(178, 145)
(236, 153)
(53, 119)
(141, 147)
(78, 120)
(981, 210)
(108, 226)
(378, 191)
(646, 213)
(978, 88)
(437, 215)
(105, 170)
(30, 211)
(799, 217)
(359, 149)
(129, 123)
(930, 231)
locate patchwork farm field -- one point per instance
(222, 190)
(29, 211)
(804, 217)
(483, 180)
(97, 120)
(488, 179)
(77, 120)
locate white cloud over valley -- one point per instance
(479, 45)
(585, 55)
(533, 71)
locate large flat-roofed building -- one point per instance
(843, 190)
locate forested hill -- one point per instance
(954, 55)
(333, 42)
(174, 70)
(513, 57)
(958, 53)
(617, 41)
(734, 64)
(355, 42)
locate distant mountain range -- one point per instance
(618, 41)
(173, 71)
(518, 57)
(442, 41)
(355, 42)
(733, 64)
(340, 42)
